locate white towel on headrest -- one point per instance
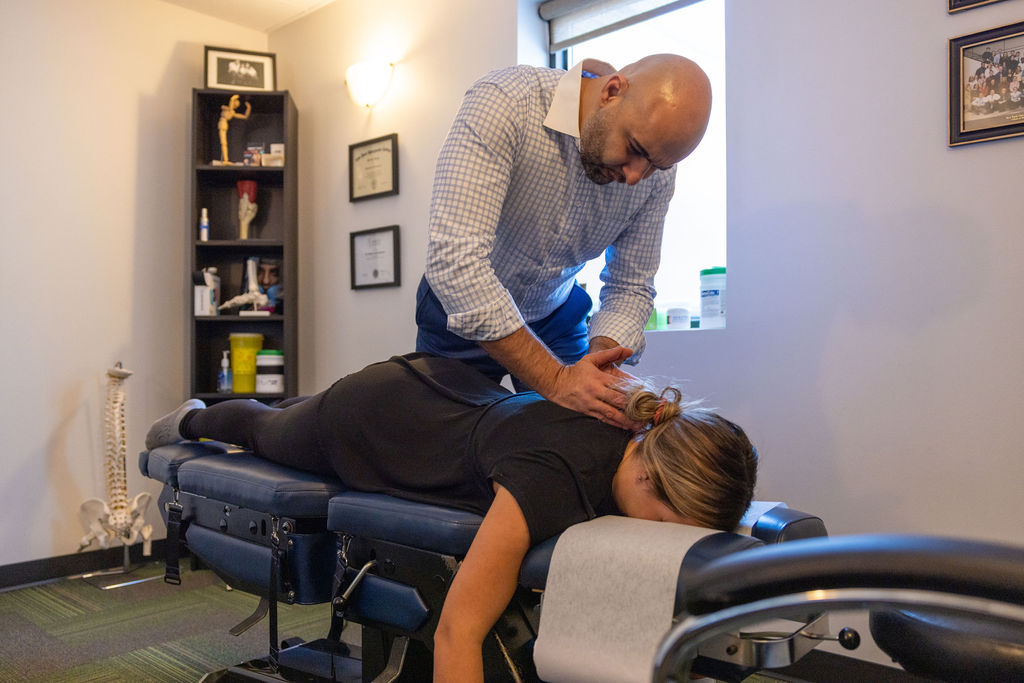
(608, 599)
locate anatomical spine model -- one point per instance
(117, 517)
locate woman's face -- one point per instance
(634, 495)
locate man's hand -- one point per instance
(593, 386)
(596, 386)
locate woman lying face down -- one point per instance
(434, 430)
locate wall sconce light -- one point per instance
(368, 81)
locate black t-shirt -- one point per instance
(436, 431)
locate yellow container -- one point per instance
(244, 347)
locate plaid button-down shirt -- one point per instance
(513, 217)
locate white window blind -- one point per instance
(574, 21)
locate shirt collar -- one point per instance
(564, 113)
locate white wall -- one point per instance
(875, 274)
(438, 53)
(93, 188)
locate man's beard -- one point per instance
(592, 139)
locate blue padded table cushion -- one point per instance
(162, 463)
(382, 517)
(251, 482)
(533, 573)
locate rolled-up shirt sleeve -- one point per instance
(627, 292)
(470, 184)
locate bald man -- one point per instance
(542, 171)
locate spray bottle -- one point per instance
(224, 376)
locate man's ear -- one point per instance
(614, 87)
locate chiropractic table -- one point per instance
(951, 610)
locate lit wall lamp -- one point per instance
(368, 81)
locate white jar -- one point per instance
(677, 318)
(712, 298)
(270, 372)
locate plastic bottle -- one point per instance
(204, 226)
(224, 376)
(712, 298)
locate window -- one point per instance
(694, 236)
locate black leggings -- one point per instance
(286, 434)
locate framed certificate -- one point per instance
(375, 261)
(373, 168)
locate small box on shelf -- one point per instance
(253, 154)
(275, 157)
(206, 292)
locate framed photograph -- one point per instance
(373, 168)
(229, 69)
(374, 258)
(959, 5)
(986, 85)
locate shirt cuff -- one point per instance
(621, 328)
(496, 320)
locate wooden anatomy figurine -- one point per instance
(227, 112)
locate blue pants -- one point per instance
(564, 331)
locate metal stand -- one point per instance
(124, 569)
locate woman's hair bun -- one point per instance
(648, 408)
(668, 407)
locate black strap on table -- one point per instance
(172, 572)
(275, 570)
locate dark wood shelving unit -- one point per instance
(273, 232)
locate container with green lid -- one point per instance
(270, 372)
(712, 298)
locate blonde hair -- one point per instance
(700, 464)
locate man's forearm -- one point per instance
(526, 357)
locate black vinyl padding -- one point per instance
(971, 568)
(786, 524)
(964, 648)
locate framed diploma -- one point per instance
(373, 168)
(374, 258)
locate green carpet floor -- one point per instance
(70, 630)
